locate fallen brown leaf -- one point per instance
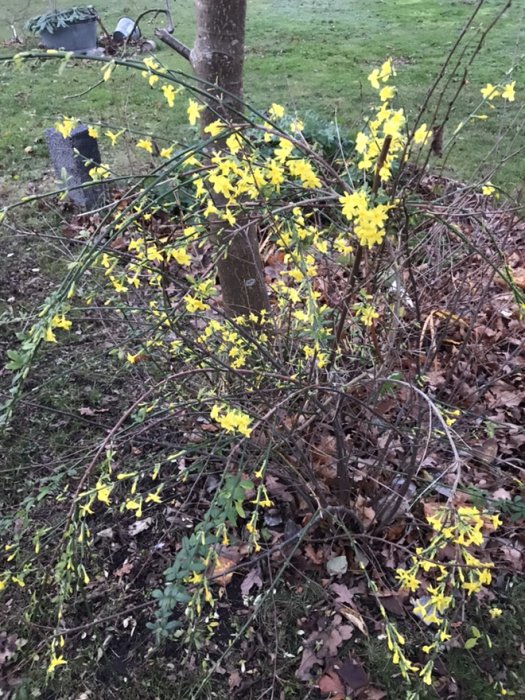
(316, 556)
(355, 618)
(227, 558)
(343, 594)
(234, 680)
(126, 567)
(331, 683)
(353, 674)
(252, 579)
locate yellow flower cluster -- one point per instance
(462, 528)
(58, 321)
(66, 126)
(231, 419)
(507, 92)
(153, 67)
(386, 122)
(366, 314)
(369, 221)
(224, 340)
(99, 172)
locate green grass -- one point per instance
(311, 55)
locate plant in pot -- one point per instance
(72, 29)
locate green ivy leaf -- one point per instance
(16, 360)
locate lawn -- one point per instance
(312, 56)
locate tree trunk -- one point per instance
(217, 57)
(218, 54)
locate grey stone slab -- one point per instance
(75, 156)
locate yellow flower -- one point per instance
(113, 136)
(145, 144)
(169, 93)
(367, 314)
(296, 126)
(426, 673)
(193, 305)
(180, 256)
(394, 123)
(103, 492)
(220, 183)
(276, 111)
(85, 509)
(234, 143)
(60, 321)
(471, 586)
(496, 520)
(85, 577)
(125, 475)
(488, 189)
(407, 580)
(154, 497)
(215, 128)
(207, 594)
(194, 111)
(211, 209)
(49, 336)
(509, 92)
(93, 132)
(166, 152)
(353, 203)
(387, 93)
(243, 422)
(302, 169)
(231, 420)
(99, 172)
(134, 505)
(107, 71)
(420, 609)
(490, 92)
(229, 217)
(55, 661)
(66, 126)
(495, 612)
(195, 578)
(422, 134)
(275, 174)
(283, 151)
(265, 501)
(382, 74)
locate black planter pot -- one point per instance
(77, 37)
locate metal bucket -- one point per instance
(124, 30)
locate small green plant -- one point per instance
(59, 19)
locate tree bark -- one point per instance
(217, 57)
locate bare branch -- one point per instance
(173, 43)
